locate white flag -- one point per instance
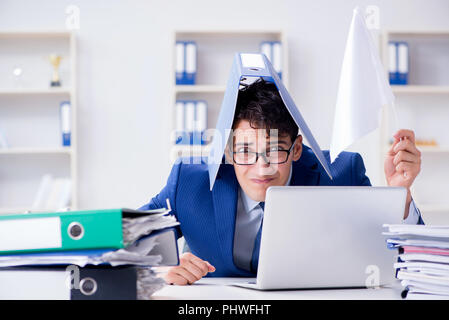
(363, 88)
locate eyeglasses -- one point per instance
(247, 157)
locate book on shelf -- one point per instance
(186, 62)
(273, 51)
(3, 142)
(191, 122)
(398, 68)
(65, 116)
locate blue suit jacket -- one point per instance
(207, 218)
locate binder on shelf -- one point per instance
(277, 58)
(265, 48)
(191, 122)
(76, 230)
(186, 62)
(398, 67)
(200, 122)
(191, 61)
(65, 110)
(190, 119)
(181, 135)
(403, 64)
(392, 63)
(3, 141)
(180, 65)
(89, 283)
(273, 51)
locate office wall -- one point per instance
(124, 117)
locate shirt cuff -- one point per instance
(413, 214)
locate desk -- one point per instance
(220, 289)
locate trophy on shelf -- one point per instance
(55, 60)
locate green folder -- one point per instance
(65, 231)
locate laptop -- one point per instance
(327, 237)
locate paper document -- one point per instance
(423, 264)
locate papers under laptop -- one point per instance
(327, 237)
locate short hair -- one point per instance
(262, 106)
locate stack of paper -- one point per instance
(423, 264)
(148, 283)
(140, 253)
(109, 238)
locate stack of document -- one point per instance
(423, 264)
(110, 238)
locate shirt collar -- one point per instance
(249, 203)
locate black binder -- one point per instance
(87, 283)
(97, 283)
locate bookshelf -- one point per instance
(422, 105)
(30, 116)
(215, 54)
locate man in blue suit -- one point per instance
(221, 225)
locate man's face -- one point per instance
(255, 178)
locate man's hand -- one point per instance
(190, 269)
(403, 163)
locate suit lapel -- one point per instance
(305, 170)
(303, 176)
(225, 193)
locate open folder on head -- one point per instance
(246, 68)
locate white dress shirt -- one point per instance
(247, 224)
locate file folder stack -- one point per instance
(423, 264)
(398, 67)
(68, 283)
(191, 122)
(273, 51)
(95, 240)
(186, 61)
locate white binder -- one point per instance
(179, 64)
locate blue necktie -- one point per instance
(255, 256)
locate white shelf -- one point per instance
(35, 91)
(433, 208)
(433, 149)
(29, 209)
(228, 33)
(37, 94)
(417, 33)
(13, 210)
(200, 89)
(424, 150)
(419, 89)
(35, 34)
(28, 151)
(191, 150)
